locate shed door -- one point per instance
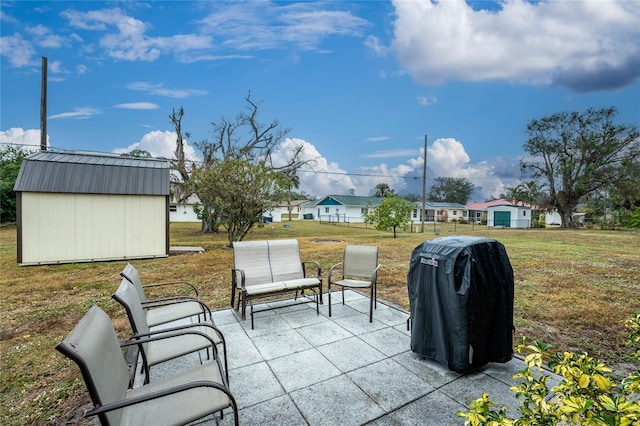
(502, 219)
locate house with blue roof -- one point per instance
(340, 208)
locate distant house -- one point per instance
(183, 211)
(509, 215)
(77, 207)
(341, 208)
(440, 212)
(552, 218)
(477, 210)
(280, 213)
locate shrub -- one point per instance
(588, 393)
(634, 220)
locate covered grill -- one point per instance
(461, 298)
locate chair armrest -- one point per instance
(318, 269)
(159, 303)
(336, 266)
(160, 394)
(180, 328)
(168, 283)
(374, 275)
(168, 300)
(138, 339)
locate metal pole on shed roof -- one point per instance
(43, 107)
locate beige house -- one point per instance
(79, 207)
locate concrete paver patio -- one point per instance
(299, 368)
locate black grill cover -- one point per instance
(461, 298)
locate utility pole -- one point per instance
(424, 184)
(43, 107)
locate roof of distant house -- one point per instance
(501, 202)
(348, 200)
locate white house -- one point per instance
(280, 213)
(78, 207)
(440, 212)
(340, 208)
(509, 216)
(183, 211)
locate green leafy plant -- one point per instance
(588, 393)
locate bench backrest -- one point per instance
(253, 258)
(267, 261)
(284, 257)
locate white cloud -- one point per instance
(44, 37)
(18, 50)
(391, 153)
(18, 136)
(447, 157)
(160, 90)
(320, 176)
(578, 44)
(77, 114)
(269, 25)
(129, 40)
(427, 100)
(160, 144)
(378, 138)
(138, 105)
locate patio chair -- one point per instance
(166, 309)
(359, 270)
(179, 399)
(188, 337)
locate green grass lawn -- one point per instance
(573, 288)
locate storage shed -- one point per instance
(84, 207)
(509, 216)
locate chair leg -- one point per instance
(329, 294)
(371, 305)
(233, 294)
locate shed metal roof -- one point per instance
(93, 174)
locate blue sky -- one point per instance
(358, 83)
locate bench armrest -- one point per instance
(318, 268)
(234, 278)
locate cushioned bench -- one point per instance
(269, 268)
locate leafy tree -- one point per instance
(383, 190)
(450, 190)
(625, 192)
(412, 197)
(530, 193)
(242, 145)
(239, 191)
(137, 153)
(577, 154)
(392, 212)
(10, 161)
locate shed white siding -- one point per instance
(519, 217)
(59, 227)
